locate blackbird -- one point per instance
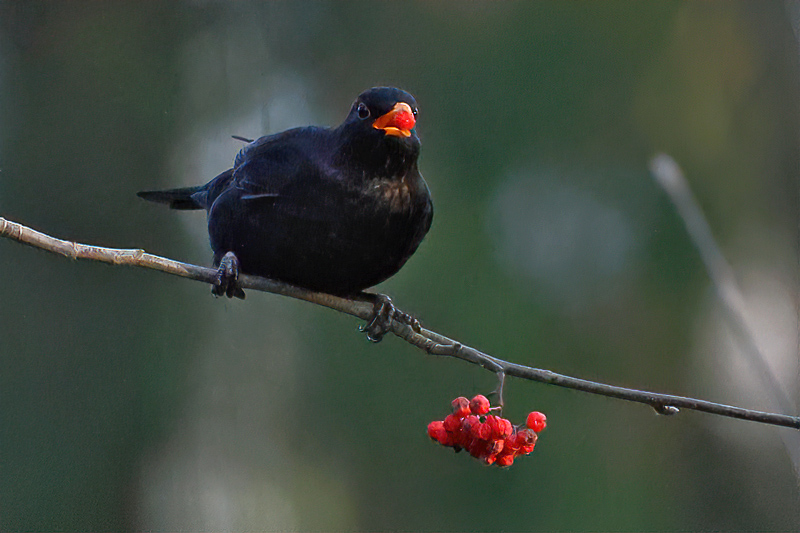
(335, 210)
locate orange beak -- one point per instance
(398, 122)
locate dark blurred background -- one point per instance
(134, 400)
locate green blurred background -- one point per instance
(134, 400)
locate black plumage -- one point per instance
(334, 210)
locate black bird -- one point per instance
(332, 210)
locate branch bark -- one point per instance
(363, 308)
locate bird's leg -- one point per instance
(227, 279)
(383, 314)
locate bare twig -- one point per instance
(362, 307)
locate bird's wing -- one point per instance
(285, 172)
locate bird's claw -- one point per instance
(381, 321)
(383, 315)
(226, 282)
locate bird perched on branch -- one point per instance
(332, 210)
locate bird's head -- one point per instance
(386, 110)
(379, 132)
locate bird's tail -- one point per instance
(200, 197)
(183, 198)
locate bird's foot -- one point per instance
(226, 282)
(383, 315)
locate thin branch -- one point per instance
(362, 307)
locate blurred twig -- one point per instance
(668, 174)
(363, 308)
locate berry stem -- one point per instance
(501, 383)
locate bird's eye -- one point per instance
(415, 111)
(362, 110)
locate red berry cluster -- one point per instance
(491, 438)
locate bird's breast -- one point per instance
(393, 193)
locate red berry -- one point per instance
(482, 431)
(437, 432)
(501, 428)
(451, 423)
(460, 407)
(493, 441)
(466, 432)
(496, 446)
(404, 120)
(525, 450)
(527, 440)
(434, 427)
(513, 442)
(470, 422)
(491, 421)
(525, 437)
(536, 421)
(505, 460)
(479, 405)
(477, 448)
